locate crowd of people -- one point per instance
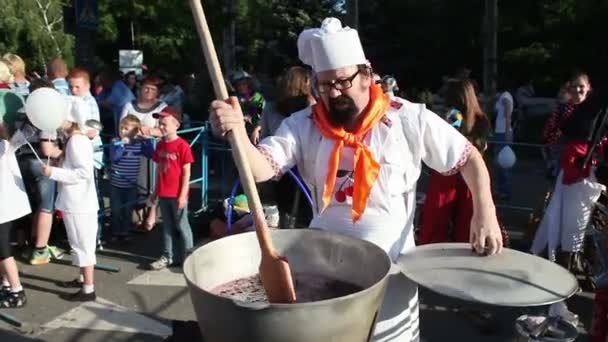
(338, 126)
(58, 174)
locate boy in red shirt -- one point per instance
(174, 157)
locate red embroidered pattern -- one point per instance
(552, 131)
(464, 157)
(275, 166)
(388, 122)
(396, 105)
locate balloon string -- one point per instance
(48, 158)
(36, 154)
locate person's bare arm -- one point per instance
(484, 224)
(49, 149)
(155, 132)
(182, 200)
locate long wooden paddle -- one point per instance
(274, 269)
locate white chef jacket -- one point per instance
(408, 135)
(77, 192)
(13, 198)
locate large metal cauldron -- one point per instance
(349, 318)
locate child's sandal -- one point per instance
(13, 300)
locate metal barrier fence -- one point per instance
(201, 138)
(224, 162)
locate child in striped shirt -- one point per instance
(126, 153)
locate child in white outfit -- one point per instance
(77, 199)
(14, 204)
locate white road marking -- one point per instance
(105, 315)
(165, 277)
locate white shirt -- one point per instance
(408, 135)
(13, 198)
(504, 104)
(144, 116)
(77, 192)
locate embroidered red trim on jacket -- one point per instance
(276, 169)
(388, 122)
(553, 131)
(464, 157)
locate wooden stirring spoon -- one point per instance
(274, 269)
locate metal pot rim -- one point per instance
(258, 306)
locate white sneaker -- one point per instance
(162, 262)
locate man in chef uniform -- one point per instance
(361, 152)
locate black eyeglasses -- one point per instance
(339, 84)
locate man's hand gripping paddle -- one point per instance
(274, 269)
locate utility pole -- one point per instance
(82, 20)
(352, 13)
(229, 37)
(490, 45)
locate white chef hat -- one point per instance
(330, 47)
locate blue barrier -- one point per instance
(200, 137)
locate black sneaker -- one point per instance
(4, 291)
(80, 296)
(74, 283)
(13, 300)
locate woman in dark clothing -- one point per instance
(449, 205)
(294, 93)
(579, 88)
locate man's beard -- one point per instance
(342, 111)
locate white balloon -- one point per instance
(506, 158)
(47, 109)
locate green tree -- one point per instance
(164, 30)
(34, 30)
(421, 40)
(266, 31)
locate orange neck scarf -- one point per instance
(365, 167)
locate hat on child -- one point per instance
(168, 111)
(330, 47)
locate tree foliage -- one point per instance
(26, 32)
(164, 30)
(417, 40)
(421, 40)
(267, 30)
